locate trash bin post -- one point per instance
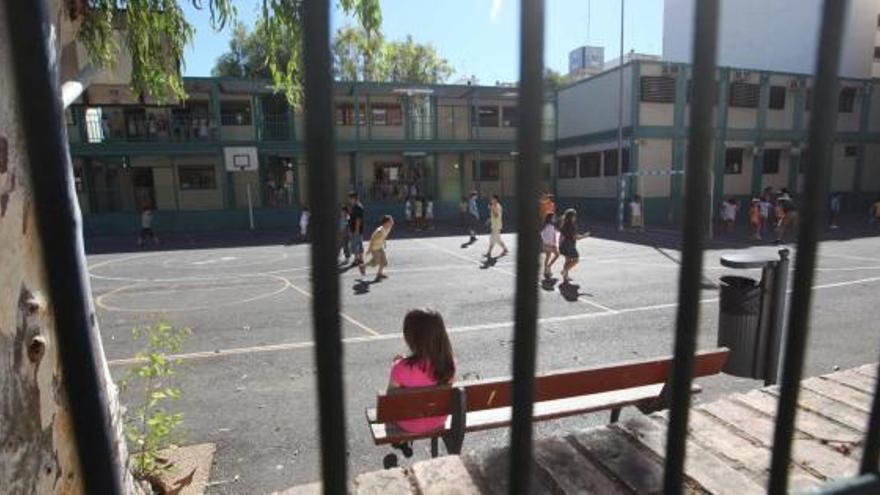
(776, 319)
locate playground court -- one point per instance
(247, 370)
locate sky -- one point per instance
(478, 37)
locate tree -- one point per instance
(554, 80)
(411, 62)
(156, 34)
(248, 55)
(357, 55)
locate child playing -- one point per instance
(147, 227)
(342, 235)
(728, 215)
(550, 241)
(419, 212)
(429, 212)
(568, 242)
(408, 210)
(304, 224)
(755, 218)
(875, 213)
(377, 248)
(429, 364)
(766, 207)
(636, 222)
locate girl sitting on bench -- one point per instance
(429, 364)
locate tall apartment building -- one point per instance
(776, 35)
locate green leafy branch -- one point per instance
(149, 426)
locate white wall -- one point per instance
(591, 106)
(791, 27)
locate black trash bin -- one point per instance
(738, 323)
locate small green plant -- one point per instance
(149, 427)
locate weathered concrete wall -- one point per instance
(37, 447)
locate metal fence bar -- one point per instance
(58, 228)
(528, 184)
(696, 215)
(820, 142)
(320, 155)
(871, 454)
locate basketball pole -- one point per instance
(250, 206)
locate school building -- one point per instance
(235, 147)
(761, 120)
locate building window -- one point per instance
(847, 100)
(388, 114)
(610, 159)
(658, 89)
(235, 113)
(546, 171)
(568, 167)
(487, 115)
(733, 161)
(850, 151)
(194, 177)
(591, 164)
(877, 53)
(488, 170)
(777, 98)
(744, 95)
(345, 114)
(510, 117)
(770, 165)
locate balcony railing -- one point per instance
(95, 125)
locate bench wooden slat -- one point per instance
(494, 394)
(488, 419)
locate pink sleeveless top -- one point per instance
(417, 375)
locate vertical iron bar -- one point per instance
(320, 154)
(621, 202)
(59, 230)
(823, 122)
(871, 454)
(696, 215)
(528, 184)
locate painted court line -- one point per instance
(343, 315)
(454, 330)
(507, 272)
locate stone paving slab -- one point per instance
(729, 447)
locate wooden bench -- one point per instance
(487, 404)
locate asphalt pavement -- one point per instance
(247, 372)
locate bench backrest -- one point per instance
(496, 393)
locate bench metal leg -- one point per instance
(615, 414)
(435, 447)
(455, 438)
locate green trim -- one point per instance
(358, 176)
(291, 122)
(357, 114)
(864, 123)
(353, 160)
(435, 118)
(721, 132)
(215, 110)
(758, 158)
(461, 173)
(635, 103)
(676, 185)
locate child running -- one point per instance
(636, 221)
(568, 243)
(377, 248)
(496, 223)
(429, 364)
(550, 240)
(755, 221)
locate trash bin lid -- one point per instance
(747, 260)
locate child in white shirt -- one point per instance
(550, 241)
